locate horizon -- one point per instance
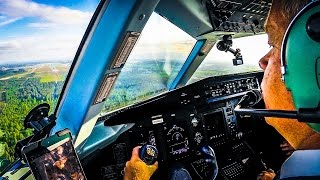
(35, 62)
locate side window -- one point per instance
(36, 50)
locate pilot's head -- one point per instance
(275, 94)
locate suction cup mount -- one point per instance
(40, 122)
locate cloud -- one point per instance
(48, 15)
(44, 25)
(7, 46)
(9, 21)
(55, 33)
(45, 47)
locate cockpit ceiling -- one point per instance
(199, 17)
(190, 15)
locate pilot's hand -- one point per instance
(136, 169)
(266, 175)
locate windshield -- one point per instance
(153, 64)
(38, 40)
(219, 63)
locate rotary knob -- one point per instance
(198, 137)
(194, 122)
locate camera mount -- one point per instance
(225, 45)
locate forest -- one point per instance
(21, 94)
(149, 79)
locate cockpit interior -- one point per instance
(127, 87)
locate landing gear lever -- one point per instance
(148, 154)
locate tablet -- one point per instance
(54, 158)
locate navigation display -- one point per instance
(216, 128)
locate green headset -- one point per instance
(300, 59)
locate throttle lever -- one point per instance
(148, 154)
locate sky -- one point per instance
(160, 30)
(42, 30)
(51, 30)
(253, 48)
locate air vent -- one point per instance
(106, 87)
(125, 49)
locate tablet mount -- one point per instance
(39, 120)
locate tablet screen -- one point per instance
(58, 161)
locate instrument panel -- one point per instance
(178, 123)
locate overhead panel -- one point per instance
(238, 16)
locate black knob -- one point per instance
(244, 29)
(245, 20)
(313, 27)
(148, 154)
(226, 26)
(255, 22)
(229, 6)
(252, 29)
(224, 18)
(223, 15)
(228, 14)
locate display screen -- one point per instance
(177, 140)
(61, 162)
(215, 121)
(216, 128)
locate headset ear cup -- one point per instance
(300, 55)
